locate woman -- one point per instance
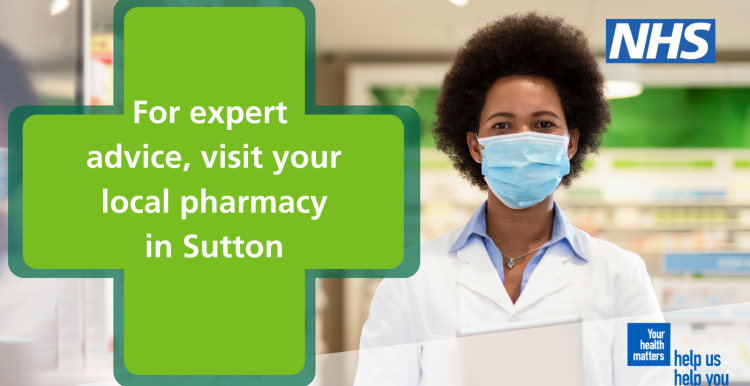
(520, 109)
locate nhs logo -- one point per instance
(661, 40)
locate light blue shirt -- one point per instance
(562, 232)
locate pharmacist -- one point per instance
(520, 109)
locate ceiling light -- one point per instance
(623, 89)
(57, 7)
(623, 80)
(460, 3)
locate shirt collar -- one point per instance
(561, 229)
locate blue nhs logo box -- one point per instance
(661, 40)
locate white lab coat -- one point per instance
(400, 343)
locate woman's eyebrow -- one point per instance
(500, 114)
(540, 113)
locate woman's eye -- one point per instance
(501, 125)
(545, 124)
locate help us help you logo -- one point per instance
(649, 344)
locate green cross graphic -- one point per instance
(244, 314)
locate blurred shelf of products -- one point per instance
(65, 49)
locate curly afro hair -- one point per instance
(531, 45)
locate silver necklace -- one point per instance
(512, 262)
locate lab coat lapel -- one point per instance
(480, 275)
(547, 278)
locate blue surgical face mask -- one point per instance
(522, 169)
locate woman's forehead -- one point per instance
(520, 95)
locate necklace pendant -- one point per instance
(511, 263)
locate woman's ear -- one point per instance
(573, 143)
(474, 146)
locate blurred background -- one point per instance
(671, 183)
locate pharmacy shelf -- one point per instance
(472, 205)
(682, 251)
(54, 378)
(652, 204)
(682, 227)
(706, 319)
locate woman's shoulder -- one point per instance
(436, 259)
(440, 245)
(602, 252)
